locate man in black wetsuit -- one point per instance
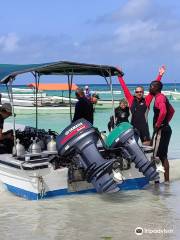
(83, 108)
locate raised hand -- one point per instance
(162, 70)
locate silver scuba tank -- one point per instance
(35, 147)
(20, 150)
(51, 146)
(30, 147)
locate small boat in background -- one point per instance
(25, 102)
(24, 95)
(166, 93)
(175, 95)
(107, 92)
(30, 90)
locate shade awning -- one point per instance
(8, 71)
(53, 86)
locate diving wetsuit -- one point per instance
(83, 109)
(163, 113)
(139, 110)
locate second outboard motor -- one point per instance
(123, 136)
(80, 137)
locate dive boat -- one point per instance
(43, 174)
(77, 160)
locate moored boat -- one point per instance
(82, 161)
(175, 95)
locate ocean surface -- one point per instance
(155, 209)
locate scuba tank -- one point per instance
(20, 150)
(51, 146)
(30, 147)
(35, 147)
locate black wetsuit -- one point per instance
(139, 111)
(83, 109)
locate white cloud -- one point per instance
(9, 42)
(135, 8)
(136, 31)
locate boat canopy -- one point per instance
(9, 71)
(53, 86)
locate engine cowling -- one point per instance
(123, 136)
(81, 137)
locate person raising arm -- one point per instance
(139, 107)
(163, 113)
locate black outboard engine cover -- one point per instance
(82, 137)
(123, 136)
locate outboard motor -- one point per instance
(123, 136)
(81, 137)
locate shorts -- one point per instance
(143, 133)
(161, 141)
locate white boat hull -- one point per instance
(24, 95)
(101, 104)
(47, 182)
(42, 110)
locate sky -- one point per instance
(137, 35)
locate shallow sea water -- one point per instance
(93, 216)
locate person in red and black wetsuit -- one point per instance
(139, 107)
(163, 113)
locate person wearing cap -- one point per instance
(139, 107)
(83, 108)
(6, 138)
(163, 113)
